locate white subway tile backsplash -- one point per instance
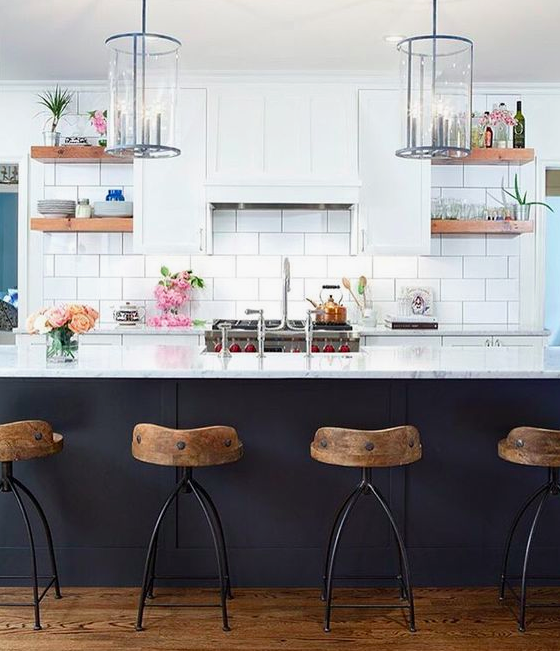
(513, 267)
(115, 174)
(137, 288)
(428, 283)
(338, 221)
(259, 221)
(513, 312)
(435, 245)
(396, 267)
(77, 265)
(78, 173)
(259, 266)
(485, 312)
(305, 221)
(224, 221)
(308, 267)
(381, 289)
(462, 289)
(283, 243)
(235, 290)
(48, 265)
(351, 266)
(463, 245)
(447, 176)
(498, 289)
(449, 312)
(122, 265)
(469, 195)
(208, 310)
(48, 175)
(236, 243)
(93, 193)
(127, 243)
(213, 265)
(108, 243)
(59, 243)
(69, 192)
(327, 244)
(485, 267)
(95, 288)
(271, 289)
(441, 267)
(503, 245)
(154, 263)
(59, 289)
(485, 176)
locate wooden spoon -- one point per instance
(348, 286)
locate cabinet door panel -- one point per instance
(519, 340)
(169, 210)
(467, 340)
(395, 195)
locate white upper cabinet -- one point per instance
(169, 196)
(394, 208)
(293, 133)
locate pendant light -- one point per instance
(436, 78)
(143, 80)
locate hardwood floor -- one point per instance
(268, 620)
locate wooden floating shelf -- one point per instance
(459, 226)
(491, 157)
(75, 154)
(73, 225)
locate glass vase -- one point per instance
(62, 346)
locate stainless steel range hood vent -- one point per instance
(280, 206)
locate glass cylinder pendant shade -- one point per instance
(143, 80)
(436, 78)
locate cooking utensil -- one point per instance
(331, 311)
(128, 314)
(348, 286)
(362, 284)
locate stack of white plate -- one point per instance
(112, 209)
(56, 207)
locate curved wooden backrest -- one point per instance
(28, 439)
(395, 446)
(205, 446)
(531, 446)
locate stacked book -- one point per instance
(411, 322)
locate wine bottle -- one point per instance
(519, 129)
(488, 133)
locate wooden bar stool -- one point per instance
(529, 446)
(365, 449)
(186, 449)
(29, 439)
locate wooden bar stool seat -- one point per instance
(206, 446)
(529, 446)
(395, 446)
(186, 449)
(366, 449)
(28, 439)
(20, 441)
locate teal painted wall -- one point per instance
(8, 241)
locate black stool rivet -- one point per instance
(138, 439)
(519, 443)
(227, 443)
(324, 443)
(369, 446)
(181, 445)
(38, 436)
(411, 444)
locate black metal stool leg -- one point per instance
(359, 488)
(48, 534)
(403, 554)
(21, 505)
(523, 600)
(150, 553)
(221, 536)
(511, 533)
(215, 538)
(334, 547)
(150, 593)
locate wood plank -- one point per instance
(102, 619)
(72, 225)
(458, 226)
(491, 157)
(73, 154)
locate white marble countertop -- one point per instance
(160, 361)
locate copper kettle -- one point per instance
(331, 311)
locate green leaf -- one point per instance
(540, 203)
(164, 271)
(199, 322)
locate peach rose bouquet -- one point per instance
(61, 324)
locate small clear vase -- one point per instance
(62, 346)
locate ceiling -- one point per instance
(64, 39)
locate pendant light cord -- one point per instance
(144, 16)
(434, 18)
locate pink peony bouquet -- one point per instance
(171, 293)
(98, 120)
(498, 117)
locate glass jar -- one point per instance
(62, 346)
(83, 209)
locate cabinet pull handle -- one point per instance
(201, 243)
(497, 342)
(363, 234)
(487, 343)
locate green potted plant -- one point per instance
(56, 102)
(522, 207)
